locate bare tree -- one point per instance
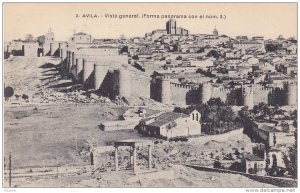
(28, 38)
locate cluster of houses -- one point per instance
(274, 136)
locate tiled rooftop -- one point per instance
(166, 118)
(252, 157)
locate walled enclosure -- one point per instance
(169, 92)
(108, 75)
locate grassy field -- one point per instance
(48, 134)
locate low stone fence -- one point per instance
(277, 181)
(118, 125)
(218, 137)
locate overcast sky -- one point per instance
(252, 19)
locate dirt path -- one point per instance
(175, 176)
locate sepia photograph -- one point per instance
(150, 95)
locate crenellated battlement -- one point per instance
(223, 89)
(184, 86)
(205, 84)
(245, 95)
(163, 77)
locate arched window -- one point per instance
(197, 118)
(193, 116)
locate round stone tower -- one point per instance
(290, 93)
(61, 55)
(205, 92)
(68, 60)
(247, 97)
(88, 67)
(72, 61)
(79, 67)
(100, 71)
(124, 82)
(165, 90)
(51, 49)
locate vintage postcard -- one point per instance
(150, 95)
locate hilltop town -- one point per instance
(167, 109)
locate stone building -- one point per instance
(15, 45)
(81, 37)
(182, 31)
(156, 34)
(267, 133)
(253, 164)
(171, 26)
(171, 125)
(30, 49)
